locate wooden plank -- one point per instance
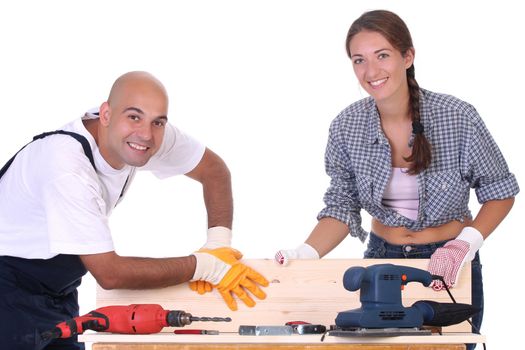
(134, 346)
(175, 339)
(306, 290)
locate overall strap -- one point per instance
(83, 141)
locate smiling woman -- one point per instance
(382, 70)
(375, 61)
(404, 129)
(386, 41)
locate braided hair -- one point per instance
(392, 27)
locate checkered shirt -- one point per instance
(464, 156)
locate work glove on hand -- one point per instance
(218, 236)
(303, 251)
(222, 268)
(448, 260)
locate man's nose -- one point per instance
(144, 131)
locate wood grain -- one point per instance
(306, 290)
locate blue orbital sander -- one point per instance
(382, 312)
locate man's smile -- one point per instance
(137, 146)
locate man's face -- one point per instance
(133, 123)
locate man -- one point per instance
(57, 193)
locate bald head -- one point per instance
(135, 82)
(131, 123)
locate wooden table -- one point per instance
(309, 342)
(169, 341)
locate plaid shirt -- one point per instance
(464, 156)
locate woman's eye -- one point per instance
(383, 56)
(358, 61)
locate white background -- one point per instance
(259, 83)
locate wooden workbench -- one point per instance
(294, 342)
(210, 345)
(307, 290)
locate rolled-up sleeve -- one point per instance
(341, 198)
(489, 173)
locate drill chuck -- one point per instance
(178, 318)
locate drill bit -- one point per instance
(179, 318)
(210, 319)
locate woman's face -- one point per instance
(379, 67)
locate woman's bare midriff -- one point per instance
(402, 235)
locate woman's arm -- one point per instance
(491, 214)
(327, 235)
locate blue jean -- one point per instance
(378, 248)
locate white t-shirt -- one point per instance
(53, 202)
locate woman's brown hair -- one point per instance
(392, 27)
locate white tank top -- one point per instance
(401, 193)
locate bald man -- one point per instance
(57, 193)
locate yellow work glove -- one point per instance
(201, 287)
(222, 268)
(218, 236)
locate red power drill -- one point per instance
(130, 319)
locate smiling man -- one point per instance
(57, 193)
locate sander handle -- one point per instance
(412, 274)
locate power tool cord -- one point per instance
(474, 328)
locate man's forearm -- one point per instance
(113, 271)
(219, 202)
(215, 178)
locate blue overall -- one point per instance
(37, 294)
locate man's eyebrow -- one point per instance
(138, 110)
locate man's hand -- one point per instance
(303, 251)
(448, 260)
(218, 236)
(221, 267)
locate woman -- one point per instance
(409, 157)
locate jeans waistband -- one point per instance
(379, 248)
(426, 246)
(384, 249)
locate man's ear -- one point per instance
(409, 57)
(104, 114)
